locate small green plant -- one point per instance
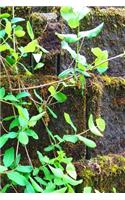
(56, 173)
(11, 34)
(81, 68)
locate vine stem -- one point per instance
(27, 153)
(112, 58)
(42, 85)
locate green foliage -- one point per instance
(14, 52)
(56, 174)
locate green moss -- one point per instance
(103, 173)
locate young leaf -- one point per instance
(70, 38)
(14, 123)
(8, 28)
(2, 34)
(59, 96)
(39, 66)
(8, 157)
(35, 185)
(42, 159)
(20, 33)
(30, 30)
(17, 178)
(69, 180)
(62, 190)
(3, 47)
(32, 134)
(23, 138)
(91, 33)
(10, 97)
(56, 171)
(100, 124)
(51, 112)
(30, 47)
(92, 127)
(3, 140)
(2, 93)
(87, 142)
(4, 15)
(17, 19)
(70, 138)
(22, 95)
(2, 169)
(71, 171)
(69, 121)
(24, 169)
(102, 57)
(33, 120)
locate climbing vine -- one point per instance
(55, 173)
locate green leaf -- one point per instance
(51, 112)
(3, 140)
(30, 30)
(70, 38)
(91, 33)
(35, 185)
(102, 57)
(4, 189)
(2, 34)
(87, 142)
(39, 66)
(12, 135)
(69, 49)
(33, 120)
(71, 171)
(8, 157)
(17, 19)
(20, 33)
(58, 181)
(62, 190)
(4, 15)
(40, 181)
(10, 97)
(2, 92)
(29, 188)
(74, 15)
(17, 178)
(3, 169)
(24, 169)
(3, 47)
(32, 134)
(87, 190)
(70, 138)
(42, 159)
(23, 112)
(8, 28)
(71, 181)
(23, 138)
(14, 123)
(49, 188)
(22, 95)
(56, 171)
(92, 127)
(66, 73)
(30, 47)
(100, 124)
(69, 121)
(59, 96)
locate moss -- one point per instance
(103, 173)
